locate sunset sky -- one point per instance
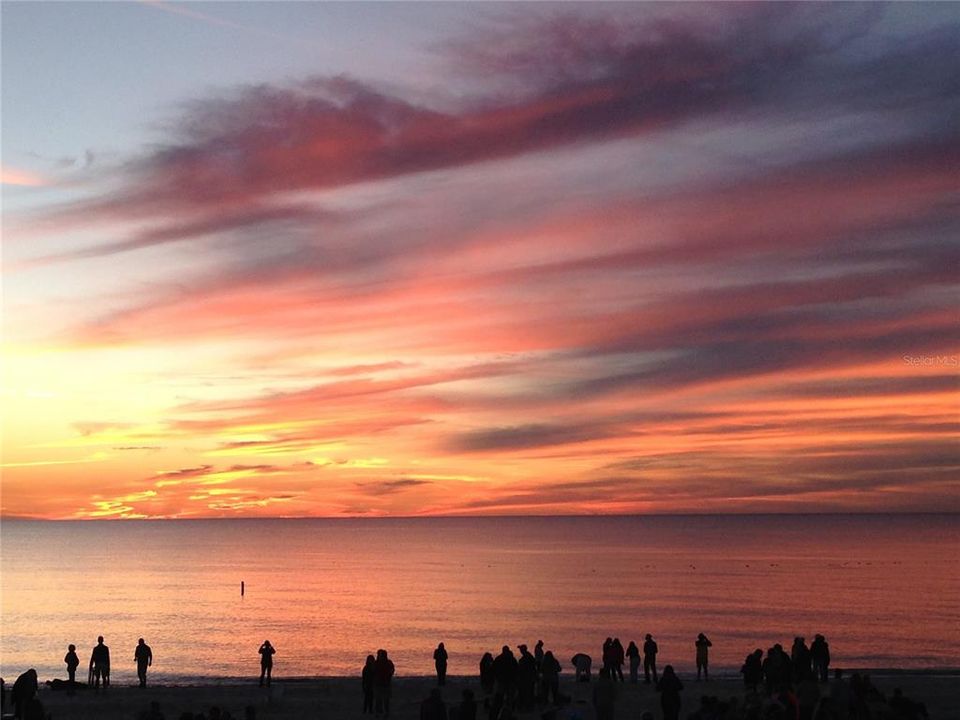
(297, 259)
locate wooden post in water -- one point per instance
(242, 588)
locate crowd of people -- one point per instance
(779, 685)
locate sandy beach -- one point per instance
(340, 697)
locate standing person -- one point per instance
(505, 673)
(820, 655)
(144, 657)
(382, 678)
(606, 655)
(538, 654)
(633, 655)
(800, 659)
(487, 677)
(669, 687)
(73, 662)
(526, 679)
(752, 670)
(550, 678)
(366, 684)
(100, 665)
(440, 661)
(703, 644)
(267, 651)
(650, 651)
(617, 655)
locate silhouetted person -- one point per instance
(3, 696)
(582, 664)
(633, 656)
(144, 657)
(538, 653)
(366, 684)
(73, 662)
(382, 680)
(440, 662)
(550, 678)
(487, 677)
(267, 651)
(100, 665)
(752, 670)
(820, 657)
(24, 690)
(604, 695)
(617, 656)
(703, 656)
(606, 654)
(505, 673)
(777, 669)
(669, 687)
(650, 651)
(468, 706)
(433, 708)
(800, 659)
(526, 678)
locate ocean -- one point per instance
(883, 589)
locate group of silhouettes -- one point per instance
(23, 694)
(99, 667)
(376, 681)
(778, 668)
(513, 683)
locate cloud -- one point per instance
(584, 80)
(190, 472)
(389, 487)
(527, 436)
(665, 257)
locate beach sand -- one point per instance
(321, 698)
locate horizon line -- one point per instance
(826, 513)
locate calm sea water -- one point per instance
(885, 590)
